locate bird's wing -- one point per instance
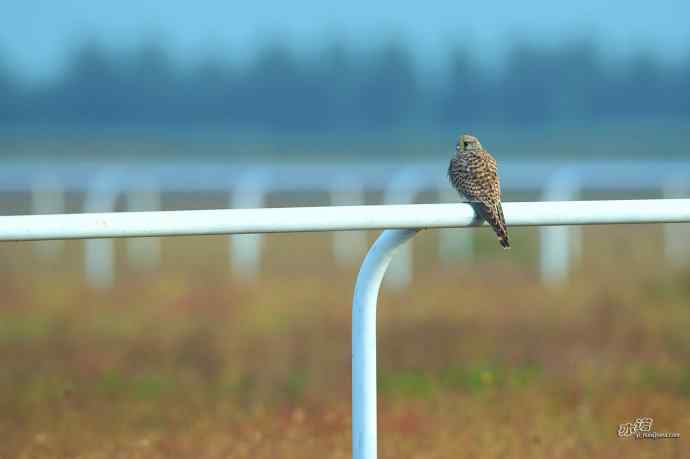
(480, 178)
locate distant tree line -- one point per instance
(340, 88)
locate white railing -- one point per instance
(332, 218)
(249, 185)
(408, 219)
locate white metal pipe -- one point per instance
(144, 254)
(364, 429)
(333, 218)
(245, 250)
(99, 255)
(560, 245)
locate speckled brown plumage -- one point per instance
(472, 171)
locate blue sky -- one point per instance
(36, 34)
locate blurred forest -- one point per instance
(341, 88)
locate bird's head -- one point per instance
(468, 142)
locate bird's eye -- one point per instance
(467, 144)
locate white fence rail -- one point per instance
(249, 186)
(408, 219)
(333, 218)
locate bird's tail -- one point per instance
(493, 214)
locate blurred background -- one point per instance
(240, 347)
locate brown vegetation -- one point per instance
(478, 361)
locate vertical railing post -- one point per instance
(99, 254)
(245, 249)
(401, 189)
(364, 427)
(557, 243)
(348, 246)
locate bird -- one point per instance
(473, 173)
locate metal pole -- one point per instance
(557, 243)
(402, 189)
(245, 249)
(364, 340)
(333, 218)
(99, 254)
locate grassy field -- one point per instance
(475, 361)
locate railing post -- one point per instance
(245, 249)
(364, 428)
(558, 244)
(348, 245)
(99, 254)
(402, 189)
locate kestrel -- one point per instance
(472, 172)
